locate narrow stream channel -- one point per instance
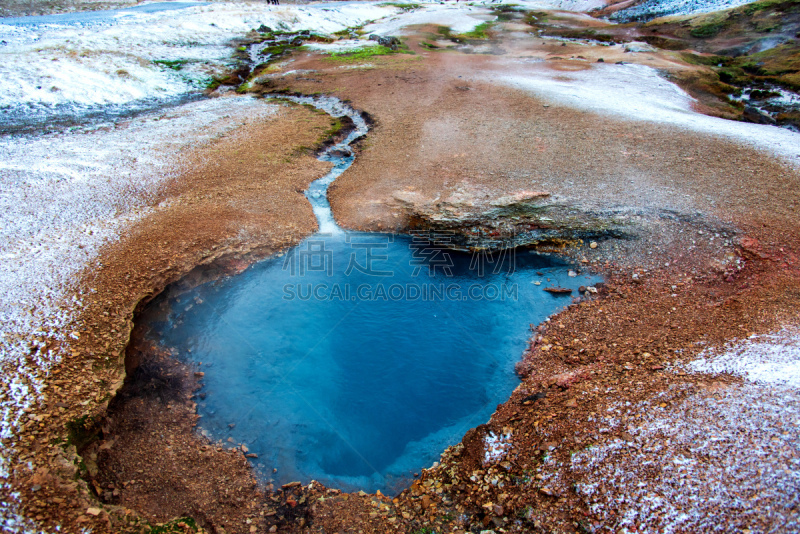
(355, 359)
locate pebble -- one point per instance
(593, 244)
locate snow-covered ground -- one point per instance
(462, 18)
(638, 92)
(68, 65)
(768, 360)
(56, 69)
(732, 451)
(650, 9)
(62, 196)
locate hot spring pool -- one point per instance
(355, 359)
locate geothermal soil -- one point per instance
(610, 429)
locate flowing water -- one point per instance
(356, 358)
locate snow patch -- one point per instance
(637, 92)
(496, 447)
(650, 9)
(711, 462)
(460, 19)
(344, 45)
(115, 60)
(769, 359)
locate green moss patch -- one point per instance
(480, 31)
(783, 5)
(711, 29)
(360, 54)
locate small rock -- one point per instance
(571, 403)
(273, 528)
(534, 397)
(290, 485)
(93, 511)
(572, 274)
(593, 244)
(753, 114)
(567, 380)
(498, 510)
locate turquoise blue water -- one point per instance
(356, 359)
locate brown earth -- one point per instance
(715, 258)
